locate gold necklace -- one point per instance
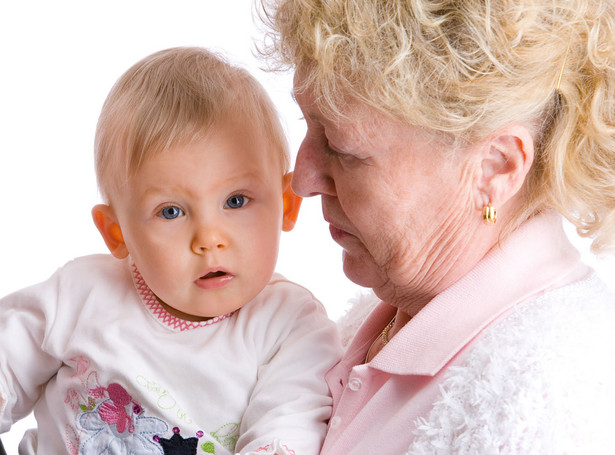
(383, 337)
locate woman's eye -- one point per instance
(332, 152)
(342, 157)
(171, 212)
(236, 201)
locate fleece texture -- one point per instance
(541, 381)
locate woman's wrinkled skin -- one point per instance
(405, 206)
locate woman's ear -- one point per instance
(106, 222)
(506, 160)
(292, 203)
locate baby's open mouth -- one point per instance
(215, 279)
(213, 275)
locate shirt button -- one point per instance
(335, 421)
(354, 384)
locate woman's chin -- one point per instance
(361, 270)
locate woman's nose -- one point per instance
(208, 239)
(311, 176)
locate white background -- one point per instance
(59, 60)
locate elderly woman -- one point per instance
(425, 120)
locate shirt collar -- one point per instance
(535, 257)
(160, 313)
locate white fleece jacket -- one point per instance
(542, 381)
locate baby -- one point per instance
(183, 340)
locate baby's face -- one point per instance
(202, 221)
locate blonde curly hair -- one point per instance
(467, 68)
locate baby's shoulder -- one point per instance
(284, 292)
(94, 269)
(284, 301)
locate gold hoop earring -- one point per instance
(489, 215)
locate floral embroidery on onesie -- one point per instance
(109, 420)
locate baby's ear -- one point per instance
(292, 203)
(106, 222)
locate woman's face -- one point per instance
(399, 202)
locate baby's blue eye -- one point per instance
(171, 212)
(236, 201)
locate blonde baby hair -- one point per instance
(171, 98)
(467, 68)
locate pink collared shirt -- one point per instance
(376, 405)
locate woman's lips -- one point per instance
(214, 280)
(336, 233)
